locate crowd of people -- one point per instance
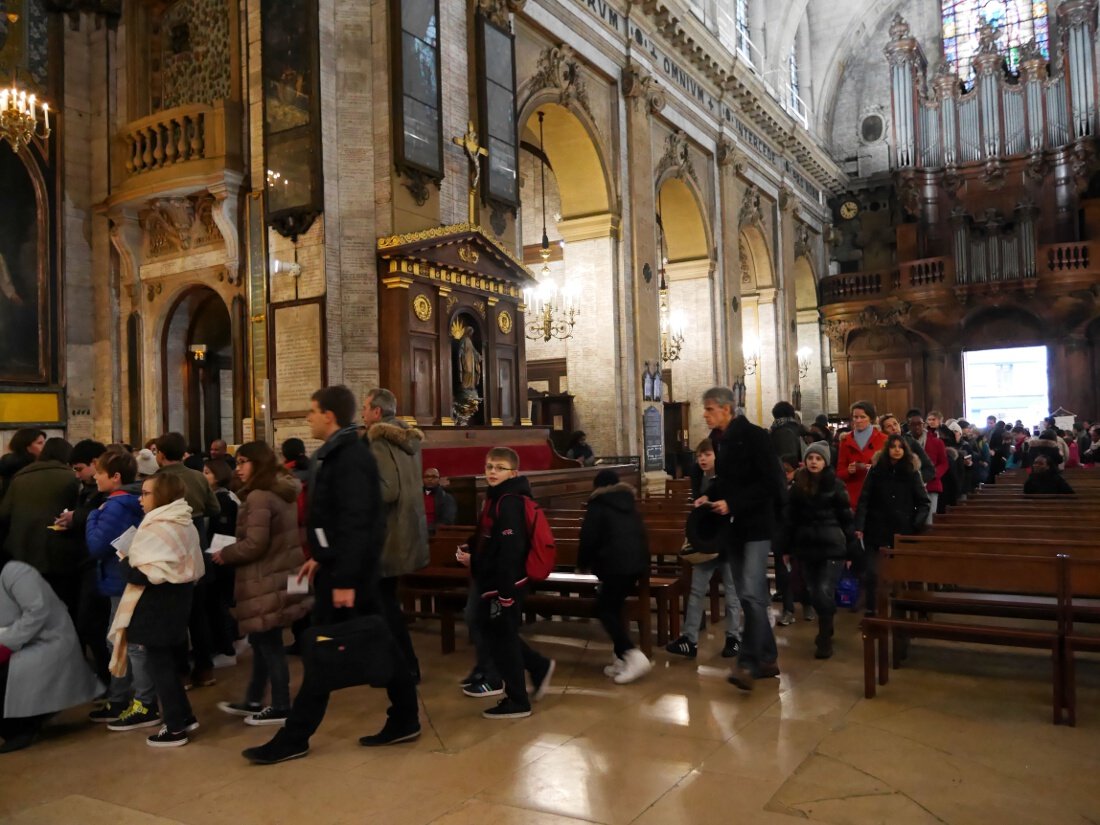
(128, 576)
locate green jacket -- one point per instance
(35, 497)
(396, 449)
(200, 496)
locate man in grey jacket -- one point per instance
(396, 449)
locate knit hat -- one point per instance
(146, 463)
(820, 448)
(605, 478)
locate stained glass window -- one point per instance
(1016, 21)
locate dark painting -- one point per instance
(22, 273)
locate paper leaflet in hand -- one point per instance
(218, 541)
(123, 542)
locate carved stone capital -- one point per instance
(729, 156)
(802, 241)
(642, 89)
(498, 10)
(223, 211)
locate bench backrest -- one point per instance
(1039, 575)
(1004, 546)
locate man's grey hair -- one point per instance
(384, 400)
(722, 396)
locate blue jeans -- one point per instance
(696, 606)
(750, 577)
(137, 683)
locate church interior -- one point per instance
(533, 218)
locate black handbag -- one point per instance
(348, 654)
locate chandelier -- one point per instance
(19, 117)
(750, 349)
(551, 311)
(672, 326)
(671, 323)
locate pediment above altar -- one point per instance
(459, 254)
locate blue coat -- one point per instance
(118, 513)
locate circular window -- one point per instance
(871, 129)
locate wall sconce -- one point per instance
(804, 354)
(293, 269)
(198, 352)
(739, 392)
(882, 382)
(750, 349)
(672, 325)
(796, 397)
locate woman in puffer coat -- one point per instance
(893, 501)
(817, 526)
(267, 552)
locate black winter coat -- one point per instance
(613, 538)
(1050, 482)
(786, 436)
(345, 505)
(499, 547)
(817, 526)
(162, 613)
(893, 501)
(749, 478)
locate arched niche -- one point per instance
(683, 218)
(574, 155)
(756, 260)
(197, 362)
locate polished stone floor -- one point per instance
(959, 736)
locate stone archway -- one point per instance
(688, 271)
(760, 319)
(582, 235)
(809, 351)
(197, 364)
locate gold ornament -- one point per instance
(504, 321)
(422, 307)
(458, 329)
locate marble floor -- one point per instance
(959, 736)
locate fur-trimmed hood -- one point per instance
(398, 433)
(912, 456)
(620, 496)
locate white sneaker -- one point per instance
(635, 666)
(615, 668)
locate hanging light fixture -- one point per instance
(22, 117)
(551, 312)
(672, 323)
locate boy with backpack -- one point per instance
(500, 565)
(131, 699)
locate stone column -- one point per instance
(731, 189)
(767, 378)
(813, 385)
(694, 373)
(645, 97)
(787, 307)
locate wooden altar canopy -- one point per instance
(451, 324)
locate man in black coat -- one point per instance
(750, 487)
(345, 529)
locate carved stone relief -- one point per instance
(560, 71)
(752, 209)
(677, 158)
(498, 10)
(176, 225)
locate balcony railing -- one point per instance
(185, 142)
(920, 279)
(1067, 257)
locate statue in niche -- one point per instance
(468, 372)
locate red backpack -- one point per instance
(541, 549)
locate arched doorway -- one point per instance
(566, 193)
(198, 369)
(760, 319)
(686, 271)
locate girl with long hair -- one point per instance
(267, 552)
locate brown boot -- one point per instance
(741, 677)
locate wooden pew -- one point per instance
(1082, 589)
(1029, 575)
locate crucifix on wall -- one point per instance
(474, 151)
